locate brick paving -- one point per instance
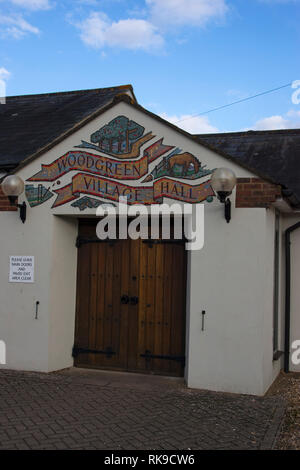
(288, 386)
(65, 411)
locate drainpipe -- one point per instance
(288, 295)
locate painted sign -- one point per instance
(21, 269)
(105, 176)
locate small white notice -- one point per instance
(21, 269)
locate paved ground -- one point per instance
(288, 387)
(99, 410)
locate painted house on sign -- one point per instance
(225, 317)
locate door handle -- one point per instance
(134, 300)
(124, 299)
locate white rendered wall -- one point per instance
(229, 280)
(44, 343)
(26, 338)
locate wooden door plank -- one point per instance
(116, 304)
(108, 308)
(133, 310)
(141, 363)
(149, 295)
(101, 298)
(124, 308)
(92, 312)
(159, 303)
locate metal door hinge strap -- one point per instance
(77, 350)
(164, 242)
(83, 240)
(149, 356)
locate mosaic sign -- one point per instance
(103, 166)
(37, 195)
(105, 188)
(91, 203)
(121, 138)
(105, 176)
(184, 166)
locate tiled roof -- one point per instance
(274, 154)
(31, 122)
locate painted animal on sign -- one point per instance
(185, 160)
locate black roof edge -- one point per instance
(291, 198)
(250, 132)
(8, 166)
(78, 92)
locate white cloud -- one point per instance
(16, 26)
(290, 120)
(4, 73)
(194, 125)
(292, 114)
(32, 4)
(186, 12)
(99, 31)
(270, 123)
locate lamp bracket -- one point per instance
(22, 207)
(227, 210)
(222, 195)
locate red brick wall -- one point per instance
(5, 204)
(255, 192)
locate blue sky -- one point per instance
(182, 57)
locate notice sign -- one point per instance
(21, 269)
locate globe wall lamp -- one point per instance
(223, 181)
(13, 186)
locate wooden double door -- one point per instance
(131, 301)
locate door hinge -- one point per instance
(83, 240)
(78, 350)
(164, 242)
(148, 355)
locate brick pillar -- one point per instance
(5, 205)
(255, 192)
